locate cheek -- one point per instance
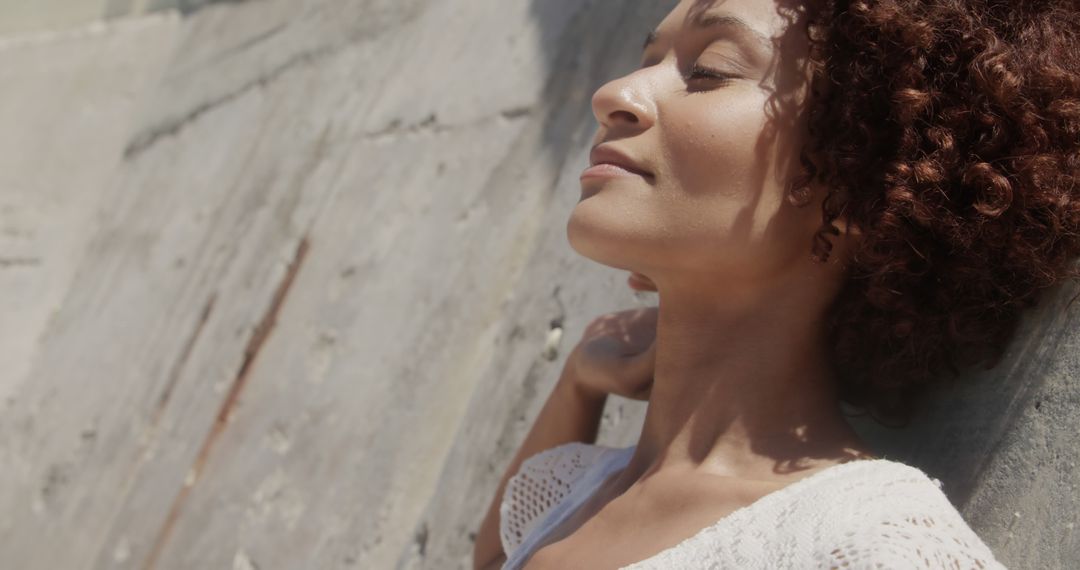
(725, 189)
(722, 184)
(718, 206)
(714, 145)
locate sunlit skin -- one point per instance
(743, 400)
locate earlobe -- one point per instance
(800, 195)
(844, 239)
(833, 242)
(805, 195)
(847, 229)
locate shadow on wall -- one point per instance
(584, 44)
(601, 42)
(1001, 440)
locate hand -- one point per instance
(616, 355)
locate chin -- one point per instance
(600, 238)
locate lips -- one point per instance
(604, 154)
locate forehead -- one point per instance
(766, 17)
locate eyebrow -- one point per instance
(703, 20)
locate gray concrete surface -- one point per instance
(1003, 441)
(305, 330)
(26, 17)
(68, 106)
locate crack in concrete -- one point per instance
(516, 112)
(143, 141)
(251, 351)
(6, 262)
(249, 43)
(171, 127)
(185, 353)
(189, 7)
(431, 124)
(155, 423)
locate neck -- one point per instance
(742, 387)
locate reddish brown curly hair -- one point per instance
(948, 134)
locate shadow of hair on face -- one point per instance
(786, 80)
(778, 151)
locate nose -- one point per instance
(625, 103)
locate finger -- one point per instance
(603, 324)
(644, 393)
(642, 364)
(648, 315)
(639, 282)
(642, 326)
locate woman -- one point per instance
(835, 201)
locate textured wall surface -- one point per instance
(68, 106)
(24, 16)
(27, 16)
(1003, 441)
(310, 253)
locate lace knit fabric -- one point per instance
(863, 514)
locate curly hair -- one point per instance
(947, 132)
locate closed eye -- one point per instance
(704, 73)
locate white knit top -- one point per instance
(861, 514)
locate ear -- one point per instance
(844, 240)
(847, 229)
(844, 235)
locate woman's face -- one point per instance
(710, 127)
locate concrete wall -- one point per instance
(68, 106)
(302, 327)
(28, 16)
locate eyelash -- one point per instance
(698, 72)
